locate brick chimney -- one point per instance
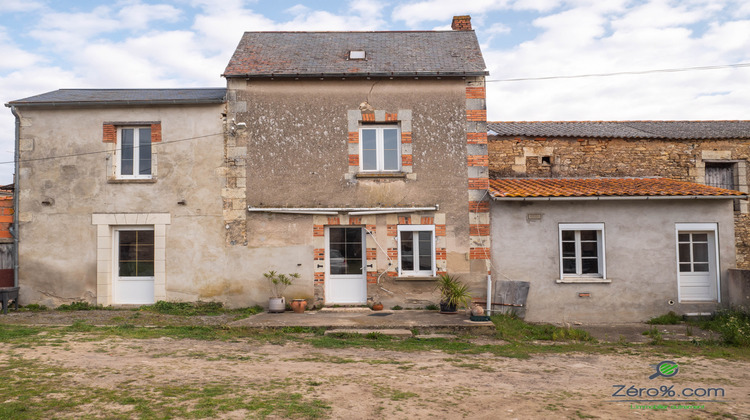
(461, 23)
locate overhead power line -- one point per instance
(105, 151)
(622, 73)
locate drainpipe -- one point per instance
(489, 295)
(16, 193)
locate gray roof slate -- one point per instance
(83, 97)
(678, 130)
(393, 53)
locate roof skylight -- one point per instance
(357, 54)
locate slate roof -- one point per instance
(393, 53)
(602, 187)
(99, 97)
(677, 130)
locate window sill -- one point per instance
(131, 181)
(416, 278)
(366, 175)
(583, 280)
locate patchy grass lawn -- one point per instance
(214, 371)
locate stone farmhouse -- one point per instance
(360, 160)
(356, 159)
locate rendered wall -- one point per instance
(640, 256)
(300, 149)
(58, 242)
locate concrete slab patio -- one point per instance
(366, 319)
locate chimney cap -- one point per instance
(461, 23)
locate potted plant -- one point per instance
(453, 293)
(278, 283)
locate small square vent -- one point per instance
(357, 54)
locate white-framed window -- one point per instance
(134, 152)
(380, 148)
(582, 250)
(416, 250)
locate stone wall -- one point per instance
(541, 157)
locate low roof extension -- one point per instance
(602, 189)
(327, 54)
(120, 97)
(677, 130)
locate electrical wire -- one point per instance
(623, 73)
(105, 151)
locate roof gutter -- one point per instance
(63, 104)
(332, 211)
(357, 75)
(16, 194)
(634, 197)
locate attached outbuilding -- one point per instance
(613, 249)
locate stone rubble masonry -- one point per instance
(684, 160)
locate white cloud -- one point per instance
(15, 57)
(538, 5)
(651, 35)
(141, 16)
(10, 6)
(443, 10)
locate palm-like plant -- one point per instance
(453, 292)
(279, 282)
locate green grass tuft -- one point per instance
(670, 318)
(82, 306)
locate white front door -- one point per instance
(346, 277)
(697, 267)
(134, 266)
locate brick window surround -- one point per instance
(110, 135)
(357, 120)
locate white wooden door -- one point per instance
(346, 277)
(134, 266)
(697, 267)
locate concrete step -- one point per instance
(393, 332)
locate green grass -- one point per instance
(733, 325)
(82, 306)
(198, 309)
(512, 328)
(670, 318)
(34, 390)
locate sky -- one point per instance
(51, 44)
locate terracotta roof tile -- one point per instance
(598, 187)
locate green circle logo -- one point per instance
(666, 369)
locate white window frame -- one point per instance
(599, 228)
(136, 153)
(380, 147)
(416, 273)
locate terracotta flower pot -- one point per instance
(377, 306)
(299, 305)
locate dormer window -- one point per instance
(357, 54)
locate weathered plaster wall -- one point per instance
(58, 243)
(581, 157)
(640, 256)
(299, 149)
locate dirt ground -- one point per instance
(366, 383)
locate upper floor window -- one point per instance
(134, 152)
(380, 148)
